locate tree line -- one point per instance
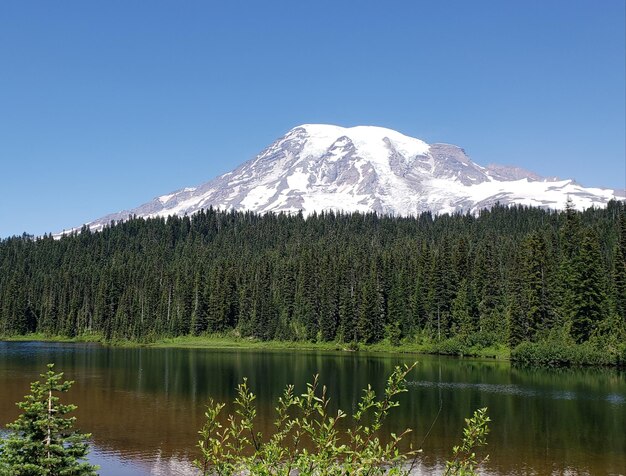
(505, 276)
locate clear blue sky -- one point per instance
(107, 104)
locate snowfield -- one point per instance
(319, 167)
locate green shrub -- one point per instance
(308, 442)
(452, 346)
(465, 462)
(552, 353)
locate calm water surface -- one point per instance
(145, 406)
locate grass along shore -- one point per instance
(445, 347)
(550, 353)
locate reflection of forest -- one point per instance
(146, 402)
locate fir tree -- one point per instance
(397, 306)
(518, 323)
(371, 320)
(43, 441)
(462, 321)
(569, 238)
(347, 318)
(535, 283)
(619, 285)
(589, 305)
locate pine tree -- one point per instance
(518, 323)
(42, 441)
(417, 307)
(397, 306)
(569, 238)
(263, 318)
(589, 306)
(619, 285)
(491, 321)
(619, 270)
(371, 317)
(347, 317)
(462, 321)
(535, 283)
(622, 230)
(199, 317)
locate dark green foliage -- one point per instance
(464, 322)
(518, 323)
(43, 441)
(557, 352)
(619, 272)
(506, 276)
(371, 318)
(619, 285)
(393, 333)
(535, 288)
(589, 301)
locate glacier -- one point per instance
(320, 167)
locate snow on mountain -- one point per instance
(317, 167)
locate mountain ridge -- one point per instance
(317, 167)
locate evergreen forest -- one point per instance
(513, 277)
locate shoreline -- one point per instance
(534, 355)
(231, 342)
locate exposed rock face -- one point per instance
(322, 167)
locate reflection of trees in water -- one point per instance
(150, 402)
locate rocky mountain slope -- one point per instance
(317, 167)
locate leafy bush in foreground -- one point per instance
(475, 433)
(308, 442)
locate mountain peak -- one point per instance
(317, 167)
(363, 137)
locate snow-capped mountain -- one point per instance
(317, 167)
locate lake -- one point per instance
(144, 406)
